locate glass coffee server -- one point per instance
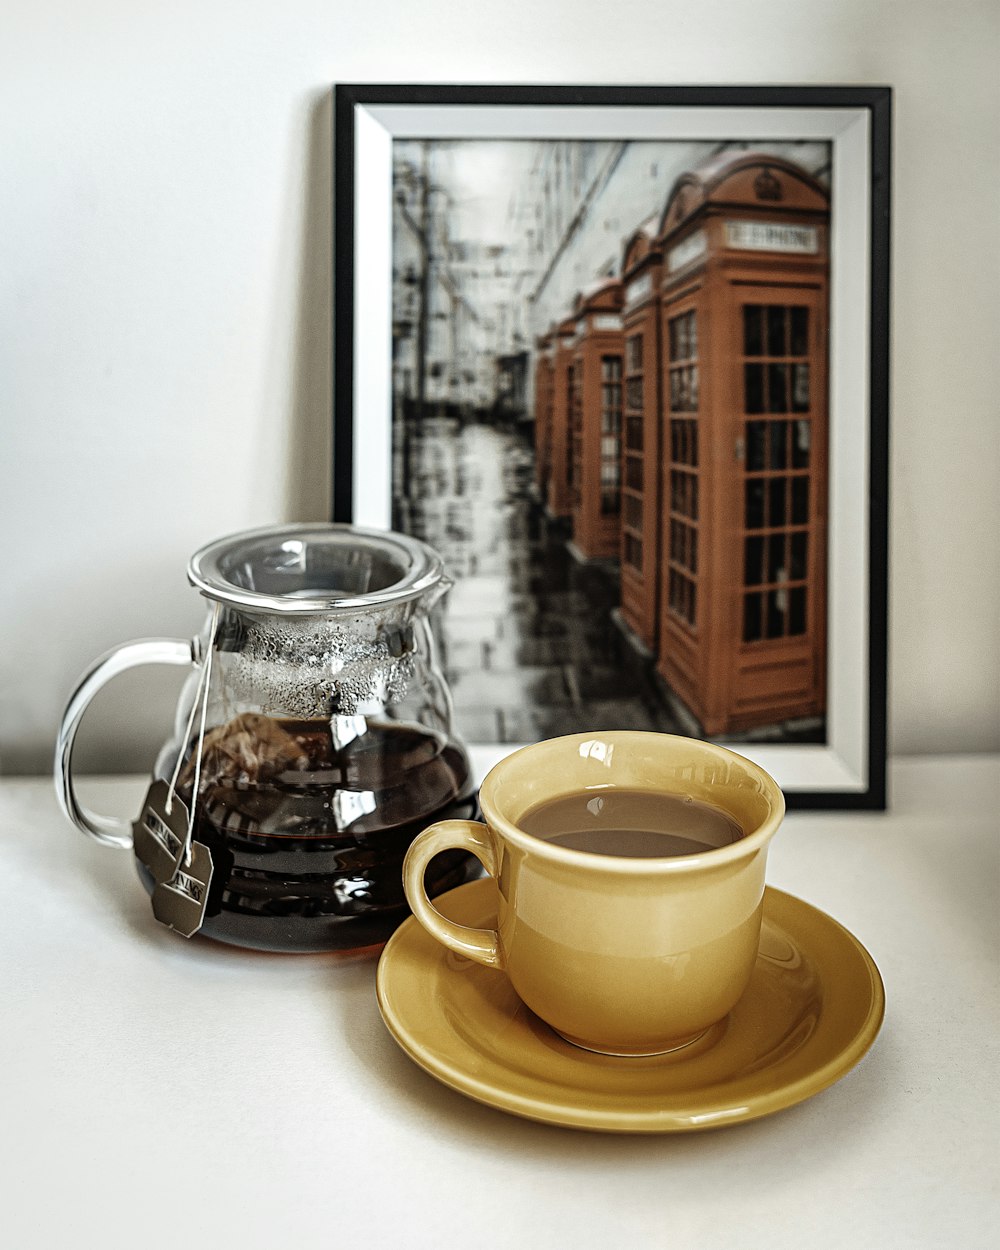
(313, 741)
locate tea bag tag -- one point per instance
(180, 901)
(160, 831)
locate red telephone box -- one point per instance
(596, 396)
(640, 547)
(744, 317)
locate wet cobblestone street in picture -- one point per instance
(529, 646)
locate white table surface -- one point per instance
(163, 1093)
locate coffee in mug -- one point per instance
(632, 823)
(630, 884)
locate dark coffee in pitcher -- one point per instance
(308, 836)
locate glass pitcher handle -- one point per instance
(110, 830)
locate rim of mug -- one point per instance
(749, 844)
(424, 569)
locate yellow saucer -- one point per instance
(813, 1007)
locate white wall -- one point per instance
(165, 295)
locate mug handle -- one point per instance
(482, 945)
(109, 830)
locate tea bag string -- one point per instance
(201, 696)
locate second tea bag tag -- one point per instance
(160, 831)
(180, 895)
(180, 901)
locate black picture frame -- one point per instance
(365, 112)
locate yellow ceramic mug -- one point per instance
(624, 956)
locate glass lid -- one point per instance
(314, 569)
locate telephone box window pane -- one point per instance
(774, 625)
(633, 433)
(689, 390)
(753, 336)
(684, 442)
(633, 552)
(633, 393)
(693, 550)
(797, 610)
(776, 558)
(801, 438)
(682, 394)
(777, 343)
(779, 444)
(800, 554)
(800, 388)
(753, 381)
(777, 388)
(776, 502)
(756, 441)
(800, 500)
(751, 618)
(675, 390)
(800, 331)
(683, 337)
(753, 573)
(755, 503)
(633, 512)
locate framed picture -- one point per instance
(621, 355)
